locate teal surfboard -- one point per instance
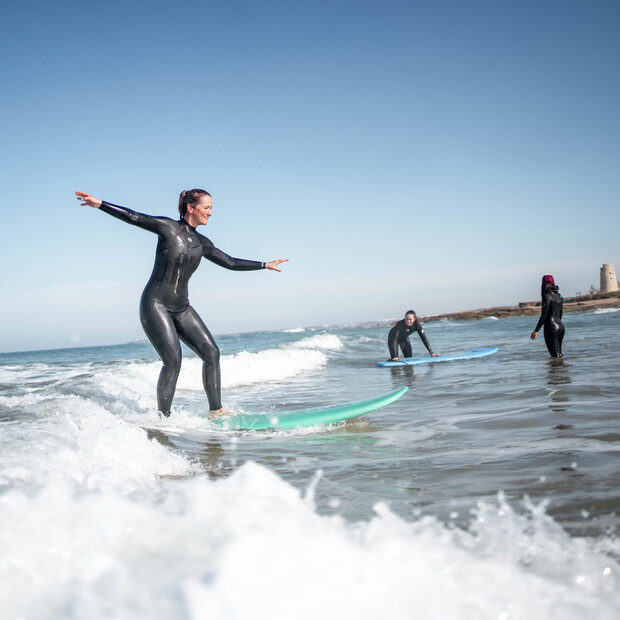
(284, 419)
(306, 417)
(289, 419)
(427, 359)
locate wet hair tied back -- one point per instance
(190, 197)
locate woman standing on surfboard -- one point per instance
(165, 312)
(551, 316)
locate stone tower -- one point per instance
(608, 278)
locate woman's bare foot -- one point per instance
(216, 413)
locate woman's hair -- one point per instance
(190, 197)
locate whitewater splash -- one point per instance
(100, 520)
(242, 369)
(277, 364)
(252, 546)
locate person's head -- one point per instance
(410, 317)
(547, 283)
(195, 206)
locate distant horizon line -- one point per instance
(370, 323)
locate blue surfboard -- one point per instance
(427, 359)
(288, 419)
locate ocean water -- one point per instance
(489, 491)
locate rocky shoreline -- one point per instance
(527, 308)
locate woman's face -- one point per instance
(200, 212)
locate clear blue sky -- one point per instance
(437, 155)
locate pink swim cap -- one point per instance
(548, 280)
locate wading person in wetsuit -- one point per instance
(399, 336)
(165, 312)
(551, 317)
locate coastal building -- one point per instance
(609, 281)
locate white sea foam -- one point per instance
(252, 546)
(134, 382)
(294, 330)
(277, 364)
(274, 364)
(100, 522)
(34, 374)
(74, 440)
(605, 310)
(365, 339)
(328, 342)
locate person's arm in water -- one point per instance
(418, 327)
(544, 312)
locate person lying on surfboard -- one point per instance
(165, 312)
(399, 336)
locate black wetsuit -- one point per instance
(551, 318)
(399, 337)
(165, 312)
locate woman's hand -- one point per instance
(533, 336)
(273, 264)
(88, 200)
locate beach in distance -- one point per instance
(578, 303)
